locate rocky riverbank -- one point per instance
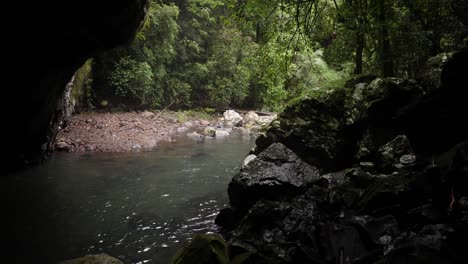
(372, 173)
(119, 132)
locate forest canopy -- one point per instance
(263, 54)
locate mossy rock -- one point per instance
(212, 249)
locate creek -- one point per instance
(139, 207)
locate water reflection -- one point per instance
(139, 207)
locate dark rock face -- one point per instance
(397, 193)
(60, 36)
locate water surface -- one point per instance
(139, 207)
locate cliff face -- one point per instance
(52, 40)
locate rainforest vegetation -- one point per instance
(263, 54)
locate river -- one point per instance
(139, 207)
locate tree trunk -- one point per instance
(386, 56)
(359, 50)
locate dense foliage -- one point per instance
(263, 54)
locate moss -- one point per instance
(81, 90)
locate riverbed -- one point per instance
(137, 206)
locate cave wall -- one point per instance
(48, 43)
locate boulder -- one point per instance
(234, 117)
(314, 125)
(221, 133)
(250, 117)
(277, 170)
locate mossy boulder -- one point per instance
(213, 249)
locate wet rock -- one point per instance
(367, 166)
(390, 154)
(298, 232)
(285, 224)
(312, 126)
(381, 231)
(407, 159)
(335, 178)
(342, 243)
(93, 259)
(360, 178)
(247, 160)
(379, 201)
(429, 245)
(277, 170)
